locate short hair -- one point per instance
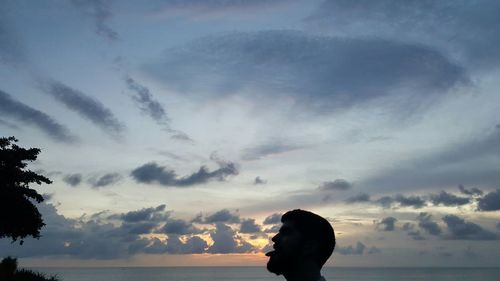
(314, 227)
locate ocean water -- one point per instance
(260, 274)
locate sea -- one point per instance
(260, 274)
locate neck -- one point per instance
(309, 271)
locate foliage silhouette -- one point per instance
(19, 217)
(9, 272)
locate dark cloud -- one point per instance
(374, 250)
(193, 245)
(459, 229)
(319, 73)
(145, 214)
(273, 219)
(249, 226)
(269, 149)
(147, 104)
(73, 179)
(153, 173)
(489, 202)
(361, 197)
(425, 222)
(408, 226)
(86, 106)
(338, 184)
(387, 224)
(472, 191)
(448, 199)
(105, 180)
(400, 200)
(258, 181)
(30, 116)
(464, 27)
(179, 227)
(415, 235)
(217, 5)
(226, 241)
(99, 10)
(350, 250)
(223, 215)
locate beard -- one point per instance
(280, 263)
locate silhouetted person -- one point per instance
(303, 244)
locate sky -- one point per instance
(177, 132)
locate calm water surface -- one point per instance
(260, 274)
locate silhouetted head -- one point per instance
(304, 237)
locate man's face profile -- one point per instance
(287, 249)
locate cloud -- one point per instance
(105, 180)
(249, 226)
(145, 214)
(28, 115)
(223, 215)
(73, 179)
(460, 163)
(490, 201)
(268, 149)
(387, 224)
(425, 222)
(472, 191)
(350, 250)
(179, 227)
(226, 241)
(8, 125)
(153, 173)
(11, 48)
(273, 219)
(193, 245)
(147, 104)
(317, 72)
(361, 197)
(217, 4)
(463, 27)
(416, 235)
(401, 201)
(338, 184)
(86, 106)
(258, 181)
(448, 199)
(100, 12)
(459, 229)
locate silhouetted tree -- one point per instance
(19, 217)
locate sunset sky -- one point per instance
(176, 132)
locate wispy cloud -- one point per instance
(85, 105)
(100, 11)
(338, 184)
(268, 149)
(105, 180)
(147, 104)
(463, 26)
(28, 115)
(285, 63)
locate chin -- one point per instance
(275, 264)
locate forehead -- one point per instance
(288, 227)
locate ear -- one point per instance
(310, 248)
